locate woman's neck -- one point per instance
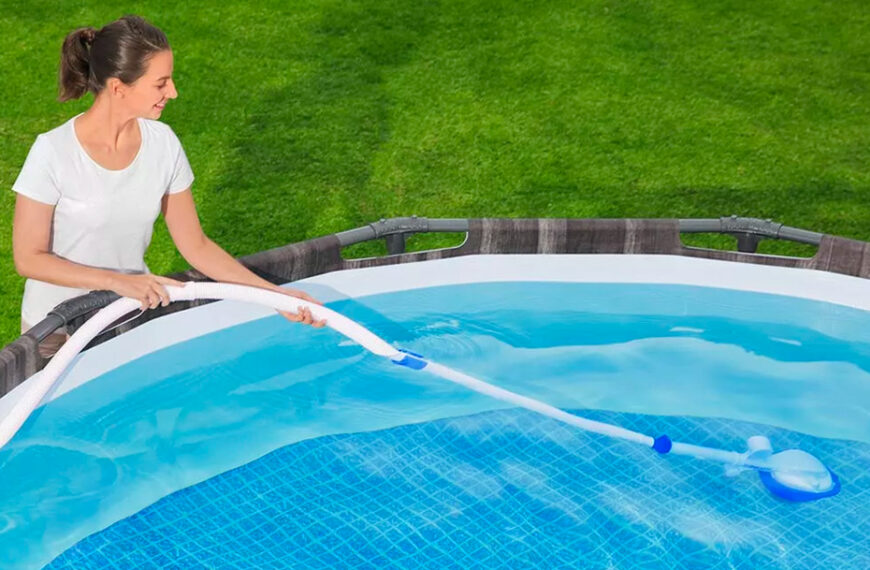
(105, 126)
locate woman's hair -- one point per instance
(121, 49)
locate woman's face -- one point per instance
(148, 95)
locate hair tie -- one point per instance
(88, 36)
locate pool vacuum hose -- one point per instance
(793, 475)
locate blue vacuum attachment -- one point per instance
(793, 475)
(797, 476)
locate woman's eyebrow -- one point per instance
(162, 78)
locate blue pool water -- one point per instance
(268, 443)
(506, 489)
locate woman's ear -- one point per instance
(116, 87)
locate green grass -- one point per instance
(305, 118)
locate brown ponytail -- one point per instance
(121, 49)
(75, 68)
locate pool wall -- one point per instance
(21, 359)
(778, 283)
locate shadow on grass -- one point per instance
(299, 166)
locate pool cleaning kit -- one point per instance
(793, 475)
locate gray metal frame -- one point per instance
(748, 231)
(20, 359)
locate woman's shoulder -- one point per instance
(57, 138)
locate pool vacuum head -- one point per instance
(793, 475)
(797, 476)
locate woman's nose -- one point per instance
(173, 93)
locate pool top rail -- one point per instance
(21, 359)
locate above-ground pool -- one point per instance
(223, 436)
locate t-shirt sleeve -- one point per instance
(182, 174)
(36, 179)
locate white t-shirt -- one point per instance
(102, 218)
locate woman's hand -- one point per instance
(304, 315)
(147, 288)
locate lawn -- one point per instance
(306, 118)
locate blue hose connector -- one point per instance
(662, 444)
(411, 360)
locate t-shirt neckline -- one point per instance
(97, 164)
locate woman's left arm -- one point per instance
(209, 258)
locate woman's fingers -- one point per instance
(304, 316)
(154, 295)
(162, 294)
(314, 322)
(291, 316)
(158, 285)
(146, 300)
(310, 320)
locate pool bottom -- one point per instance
(498, 489)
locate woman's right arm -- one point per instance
(31, 237)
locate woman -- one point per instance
(90, 190)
